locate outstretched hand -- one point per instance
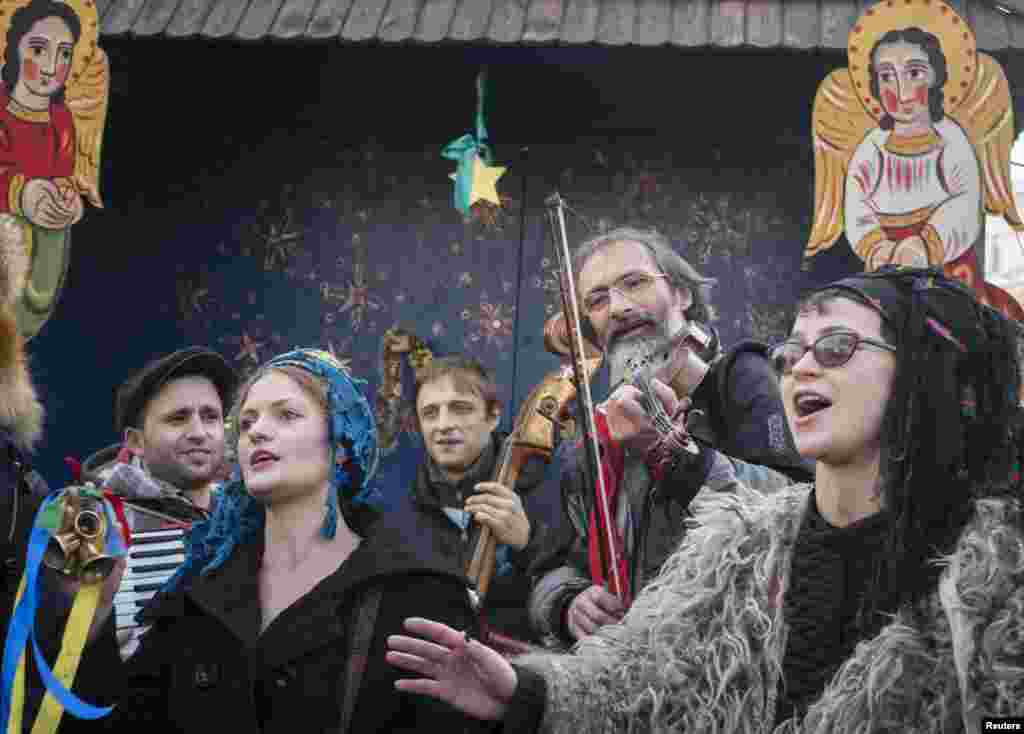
(464, 673)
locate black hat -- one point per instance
(135, 393)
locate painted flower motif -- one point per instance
(344, 361)
(249, 348)
(718, 226)
(359, 299)
(492, 324)
(280, 238)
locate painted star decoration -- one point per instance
(485, 182)
(344, 361)
(359, 299)
(249, 348)
(493, 324)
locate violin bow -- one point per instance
(585, 402)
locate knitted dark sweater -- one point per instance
(831, 572)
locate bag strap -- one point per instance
(360, 635)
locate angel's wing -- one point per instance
(840, 122)
(87, 99)
(986, 115)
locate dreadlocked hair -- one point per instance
(947, 432)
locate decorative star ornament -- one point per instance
(249, 347)
(483, 185)
(485, 182)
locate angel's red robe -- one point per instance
(33, 145)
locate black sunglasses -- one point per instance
(831, 350)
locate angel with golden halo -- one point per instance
(53, 105)
(912, 146)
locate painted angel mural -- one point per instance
(912, 146)
(53, 105)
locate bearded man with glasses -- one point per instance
(637, 295)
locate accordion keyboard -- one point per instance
(153, 558)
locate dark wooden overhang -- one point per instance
(794, 24)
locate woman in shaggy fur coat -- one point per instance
(887, 595)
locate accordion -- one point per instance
(156, 552)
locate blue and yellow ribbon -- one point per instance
(21, 628)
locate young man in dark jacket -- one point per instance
(170, 415)
(636, 296)
(454, 496)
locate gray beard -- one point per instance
(637, 356)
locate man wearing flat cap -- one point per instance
(170, 416)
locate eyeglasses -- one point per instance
(831, 350)
(633, 286)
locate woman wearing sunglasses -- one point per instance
(887, 594)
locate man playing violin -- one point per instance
(458, 412)
(638, 298)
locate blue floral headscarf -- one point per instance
(351, 425)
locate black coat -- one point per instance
(204, 658)
(741, 416)
(425, 524)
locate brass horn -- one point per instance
(76, 549)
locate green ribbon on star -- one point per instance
(465, 149)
